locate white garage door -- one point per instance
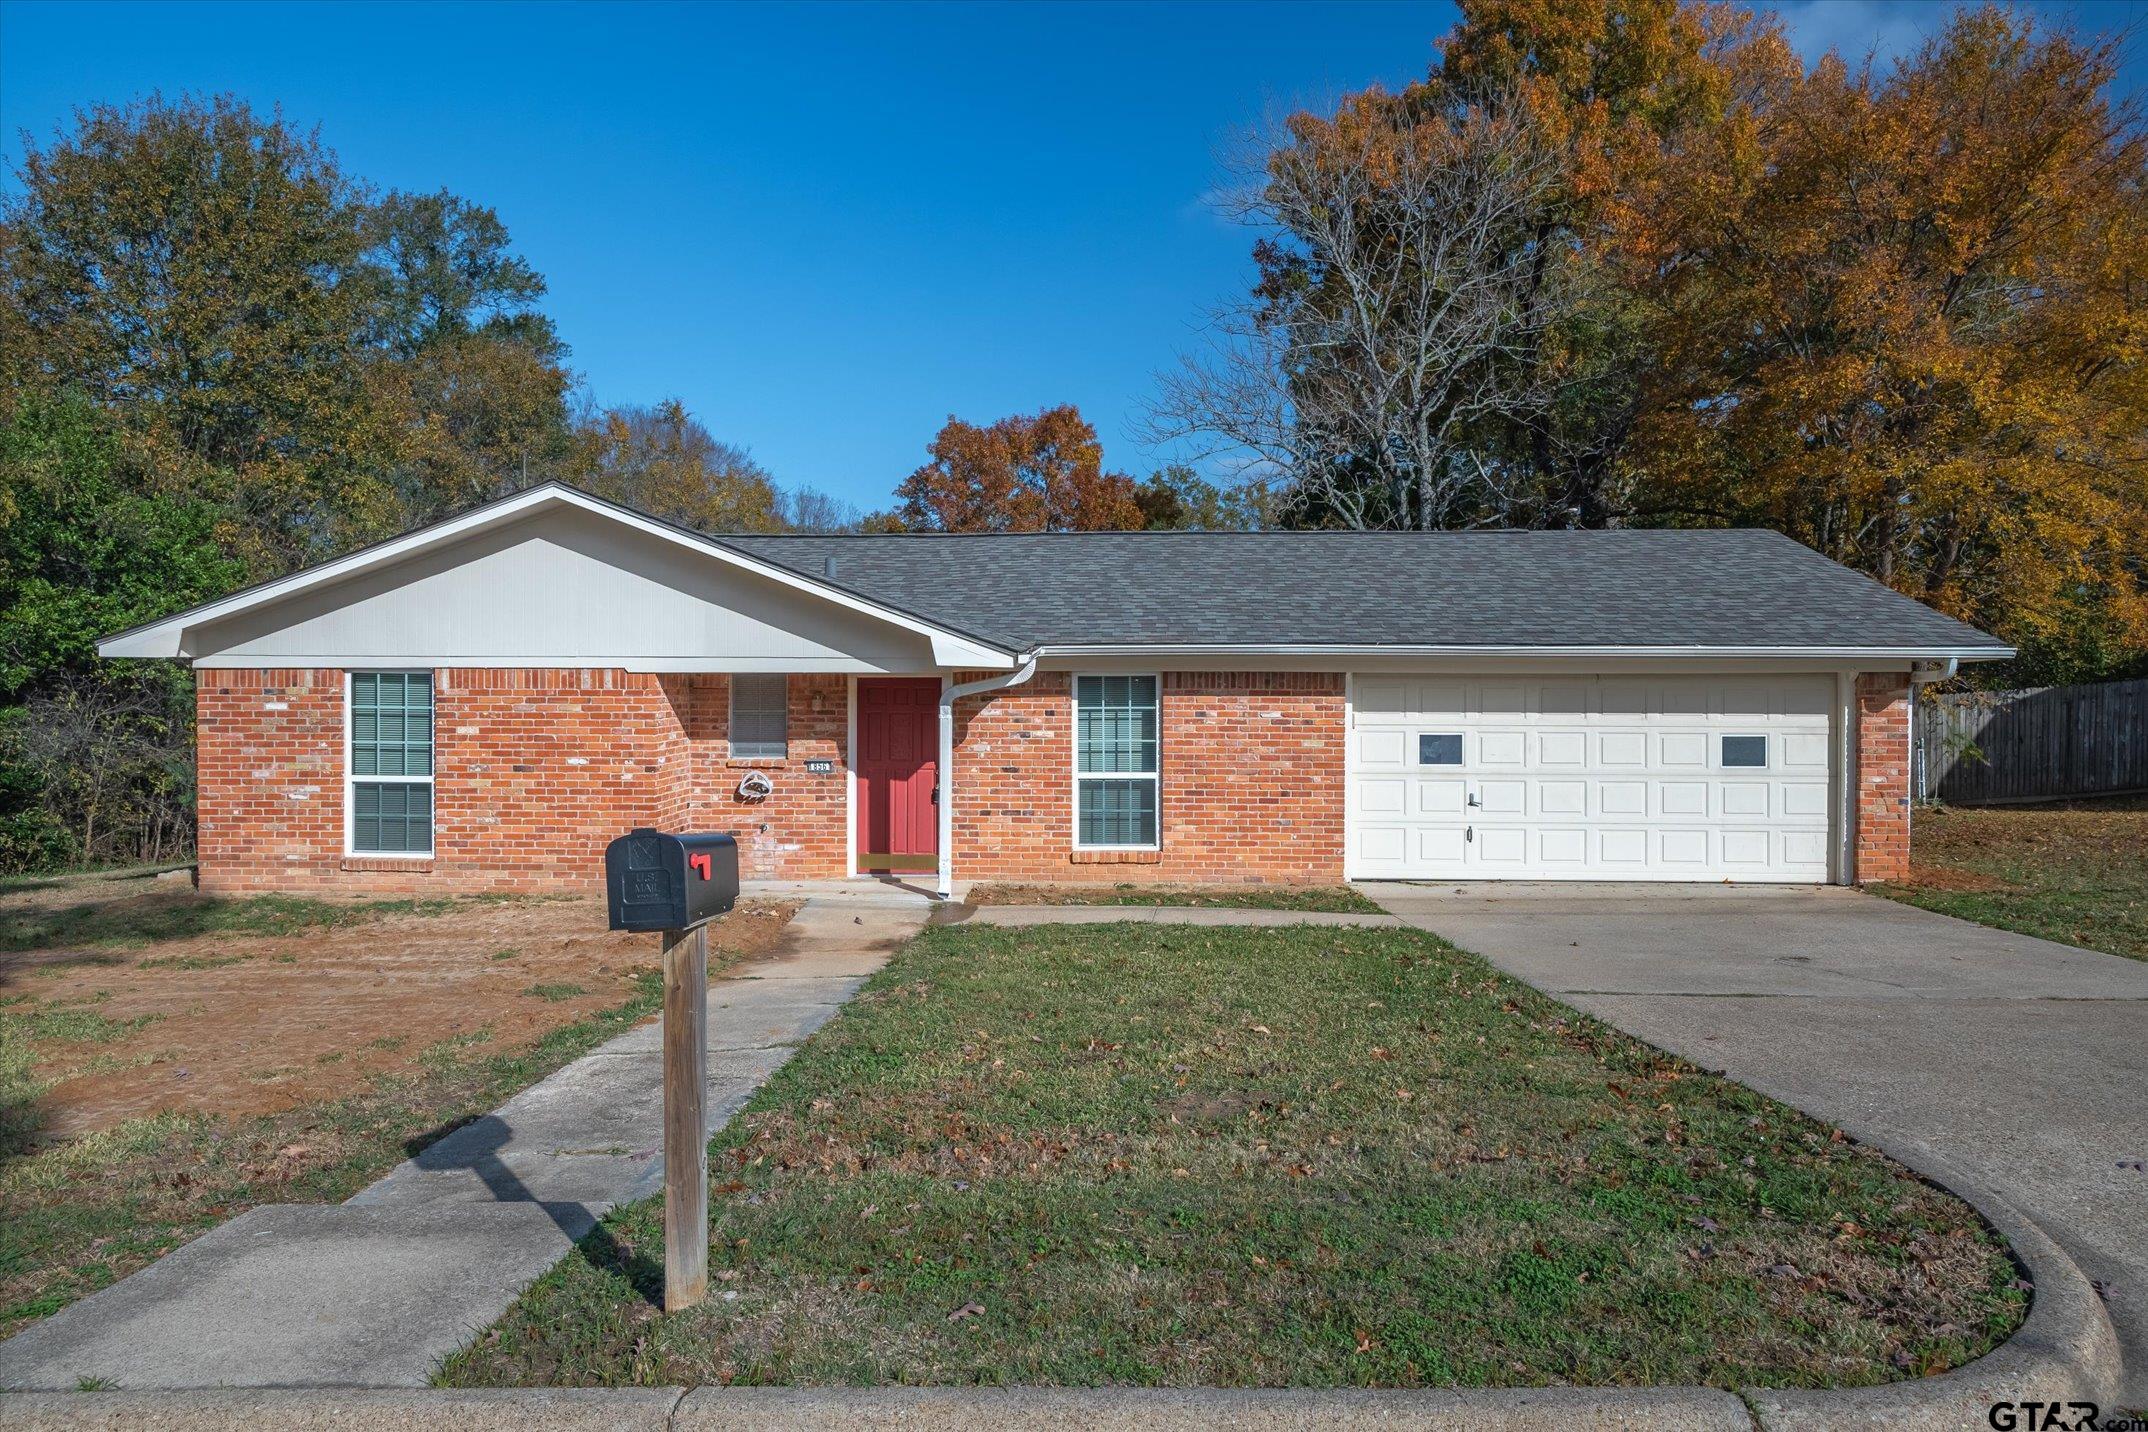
(1589, 778)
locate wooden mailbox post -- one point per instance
(686, 1075)
(675, 884)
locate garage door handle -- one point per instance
(1475, 802)
(1469, 833)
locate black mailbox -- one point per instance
(669, 882)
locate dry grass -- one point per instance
(254, 1006)
(2074, 872)
(172, 1061)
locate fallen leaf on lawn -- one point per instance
(967, 1310)
(1260, 1029)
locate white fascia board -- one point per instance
(1846, 654)
(954, 653)
(168, 637)
(596, 661)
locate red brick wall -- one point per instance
(270, 778)
(1882, 776)
(536, 770)
(1252, 782)
(798, 832)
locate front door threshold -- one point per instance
(897, 864)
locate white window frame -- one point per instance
(352, 780)
(1767, 750)
(731, 717)
(1155, 777)
(1418, 762)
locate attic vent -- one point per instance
(827, 568)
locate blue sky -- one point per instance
(826, 227)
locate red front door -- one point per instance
(898, 736)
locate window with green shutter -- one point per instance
(391, 765)
(1116, 743)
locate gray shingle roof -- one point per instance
(1701, 588)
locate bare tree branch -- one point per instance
(1402, 300)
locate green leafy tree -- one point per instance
(1177, 497)
(93, 755)
(331, 365)
(441, 269)
(188, 264)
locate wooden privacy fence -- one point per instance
(1990, 747)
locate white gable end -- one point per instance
(564, 586)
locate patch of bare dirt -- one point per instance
(246, 1024)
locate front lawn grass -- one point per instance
(1146, 1154)
(79, 1216)
(1338, 899)
(2076, 873)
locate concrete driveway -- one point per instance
(2022, 1062)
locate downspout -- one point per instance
(1845, 763)
(948, 698)
(1924, 673)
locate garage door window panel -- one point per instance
(390, 796)
(1442, 748)
(1117, 748)
(1745, 752)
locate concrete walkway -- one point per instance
(2020, 1061)
(375, 1292)
(1019, 915)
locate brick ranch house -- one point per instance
(483, 703)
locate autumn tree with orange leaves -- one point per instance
(1041, 473)
(1899, 312)
(1909, 329)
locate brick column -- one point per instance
(1882, 776)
